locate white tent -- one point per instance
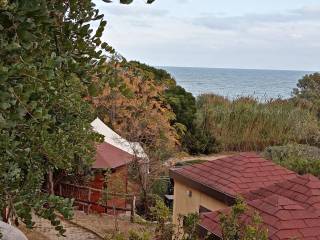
(116, 140)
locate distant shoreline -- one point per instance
(234, 68)
(232, 83)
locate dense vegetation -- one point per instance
(307, 92)
(194, 137)
(302, 159)
(50, 58)
(244, 124)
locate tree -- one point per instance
(139, 113)
(182, 103)
(233, 228)
(50, 61)
(308, 91)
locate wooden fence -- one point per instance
(91, 199)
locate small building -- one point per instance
(111, 173)
(289, 204)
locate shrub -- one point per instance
(160, 187)
(161, 213)
(299, 158)
(188, 163)
(200, 141)
(233, 227)
(134, 235)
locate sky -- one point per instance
(250, 34)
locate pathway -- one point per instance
(44, 231)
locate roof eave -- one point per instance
(210, 191)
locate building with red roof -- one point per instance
(289, 204)
(112, 159)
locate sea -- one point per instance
(233, 83)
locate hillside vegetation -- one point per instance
(244, 124)
(302, 159)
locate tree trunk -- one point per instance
(5, 214)
(50, 182)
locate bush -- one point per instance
(234, 227)
(162, 215)
(201, 141)
(302, 159)
(134, 235)
(245, 124)
(160, 187)
(188, 163)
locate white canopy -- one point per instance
(111, 137)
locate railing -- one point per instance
(94, 197)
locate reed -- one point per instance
(246, 124)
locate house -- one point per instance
(112, 160)
(289, 204)
(115, 154)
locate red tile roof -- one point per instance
(305, 190)
(288, 203)
(284, 219)
(236, 174)
(109, 156)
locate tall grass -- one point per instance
(245, 124)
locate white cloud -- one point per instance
(288, 39)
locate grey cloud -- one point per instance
(216, 22)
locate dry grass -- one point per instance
(248, 125)
(104, 225)
(32, 234)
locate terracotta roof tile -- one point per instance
(109, 156)
(297, 189)
(236, 174)
(284, 218)
(289, 204)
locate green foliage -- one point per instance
(134, 235)
(245, 124)
(180, 101)
(308, 92)
(48, 59)
(191, 162)
(187, 228)
(302, 159)
(161, 213)
(160, 187)
(190, 226)
(233, 228)
(183, 105)
(201, 141)
(116, 236)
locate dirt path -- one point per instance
(171, 162)
(44, 231)
(84, 227)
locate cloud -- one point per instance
(163, 36)
(218, 22)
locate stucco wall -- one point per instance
(184, 204)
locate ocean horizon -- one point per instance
(262, 84)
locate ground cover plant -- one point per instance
(302, 159)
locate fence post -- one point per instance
(133, 209)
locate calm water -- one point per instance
(263, 84)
